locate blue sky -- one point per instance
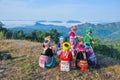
(83, 10)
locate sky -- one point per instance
(82, 10)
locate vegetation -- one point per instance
(33, 36)
(103, 30)
(107, 47)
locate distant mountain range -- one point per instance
(42, 27)
(56, 21)
(106, 30)
(73, 21)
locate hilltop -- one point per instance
(24, 65)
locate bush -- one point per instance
(107, 50)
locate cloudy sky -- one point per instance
(83, 10)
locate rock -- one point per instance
(5, 56)
(1, 70)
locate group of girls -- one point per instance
(71, 53)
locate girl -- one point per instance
(73, 40)
(73, 37)
(47, 59)
(59, 45)
(65, 57)
(87, 37)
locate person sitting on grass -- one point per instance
(66, 57)
(52, 47)
(59, 45)
(47, 54)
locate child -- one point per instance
(88, 43)
(47, 59)
(87, 37)
(91, 55)
(65, 57)
(52, 47)
(47, 50)
(59, 45)
(80, 52)
(73, 37)
(81, 56)
(73, 40)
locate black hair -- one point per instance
(66, 45)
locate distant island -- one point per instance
(73, 21)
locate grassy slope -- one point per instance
(24, 65)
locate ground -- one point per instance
(24, 65)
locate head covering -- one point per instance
(81, 47)
(46, 43)
(61, 38)
(66, 46)
(87, 45)
(88, 30)
(47, 38)
(74, 27)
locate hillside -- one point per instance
(42, 27)
(106, 30)
(24, 65)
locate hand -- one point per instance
(93, 42)
(80, 37)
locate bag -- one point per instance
(83, 64)
(42, 61)
(93, 60)
(65, 66)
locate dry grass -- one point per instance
(24, 65)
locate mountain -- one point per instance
(73, 21)
(108, 30)
(42, 27)
(56, 21)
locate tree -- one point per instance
(31, 36)
(20, 34)
(1, 25)
(54, 35)
(3, 30)
(8, 34)
(1, 35)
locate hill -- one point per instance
(42, 27)
(24, 65)
(106, 30)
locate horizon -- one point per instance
(63, 10)
(23, 23)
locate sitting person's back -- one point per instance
(47, 52)
(59, 45)
(47, 59)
